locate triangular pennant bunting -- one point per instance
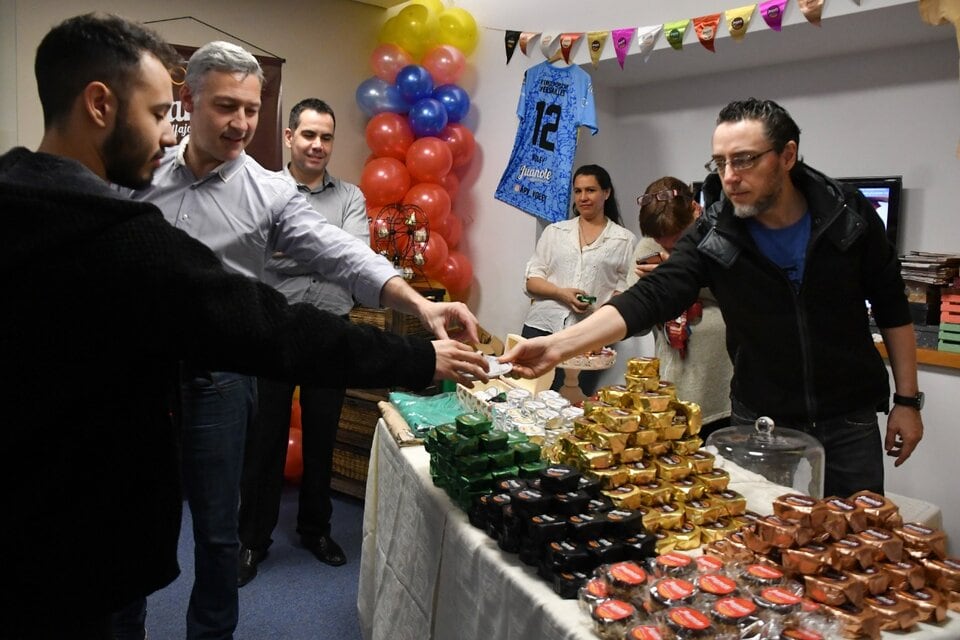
(674, 32)
(772, 12)
(525, 39)
(706, 28)
(621, 42)
(647, 38)
(597, 40)
(510, 40)
(812, 10)
(738, 21)
(567, 42)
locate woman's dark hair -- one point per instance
(88, 48)
(663, 218)
(611, 208)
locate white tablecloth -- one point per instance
(427, 573)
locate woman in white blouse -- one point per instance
(579, 263)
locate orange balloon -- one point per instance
(461, 142)
(435, 254)
(457, 273)
(451, 183)
(432, 199)
(384, 180)
(293, 467)
(387, 59)
(451, 230)
(389, 135)
(429, 159)
(445, 63)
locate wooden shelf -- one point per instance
(931, 357)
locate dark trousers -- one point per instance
(588, 380)
(266, 454)
(851, 444)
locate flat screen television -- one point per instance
(884, 193)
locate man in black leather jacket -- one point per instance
(791, 258)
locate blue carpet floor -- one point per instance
(294, 597)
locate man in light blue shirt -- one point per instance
(310, 138)
(208, 187)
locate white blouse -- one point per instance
(600, 269)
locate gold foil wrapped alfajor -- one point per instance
(702, 511)
(669, 516)
(613, 395)
(732, 502)
(609, 478)
(647, 367)
(688, 537)
(632, 454)
(687, 489)
(619, 420)
(643, 437)
(717, 530)
(593, 407)
(626, 496)
(654, 493)
(715, 480)
(584, 426)
(658, 448)
(649, 401)
(642, 383)
(701, 461)
(641, 472)
(687, 446)
(692, 412)
(671, 467)
(605, 438)
(667, 388)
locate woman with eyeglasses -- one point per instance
(692, 347)
(579, 263)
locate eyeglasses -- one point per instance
(739, 162)
(660, 196)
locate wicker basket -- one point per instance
(350, 464)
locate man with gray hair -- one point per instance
(208, 187)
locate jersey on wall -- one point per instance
(554, 103)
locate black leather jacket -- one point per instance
(802, 355)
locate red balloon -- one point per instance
(432, 200)
(293, 467)
(389, 135)
(461, 142)
(384, 180)
(445, 63)
(457, 273)
(451, 183)
(429, 159)
(451, 230)
(435, 254)
(295, 421)
(387, 59)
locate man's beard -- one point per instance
(761, 206)
(125, 156)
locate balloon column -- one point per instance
(417, 140)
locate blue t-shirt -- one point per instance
(786, 247)
(554, 103)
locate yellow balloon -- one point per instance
(458, 28)
(434, 7)
(413, 32)
(388, 32)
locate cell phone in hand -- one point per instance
(650, 258)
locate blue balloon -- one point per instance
(454, 99)
(427, 118)
(414, 83)
(378, 96)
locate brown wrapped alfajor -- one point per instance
(812, 513)
(854, 514)
(928, 602)
(782, 533)
(850, 553)
(880, 510)
(895, 613)
(905, 574)
(873, 579)
(855, 622)
(833, 588)
(886, 545)
(943, 574)
(921, 541)
(809, 559)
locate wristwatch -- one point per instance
(910, 401)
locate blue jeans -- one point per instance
(217, 408)
(851, 444)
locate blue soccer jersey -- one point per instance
(554, 103)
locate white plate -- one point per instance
(497, 369)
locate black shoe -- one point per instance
(326, 550)
(249, 559)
